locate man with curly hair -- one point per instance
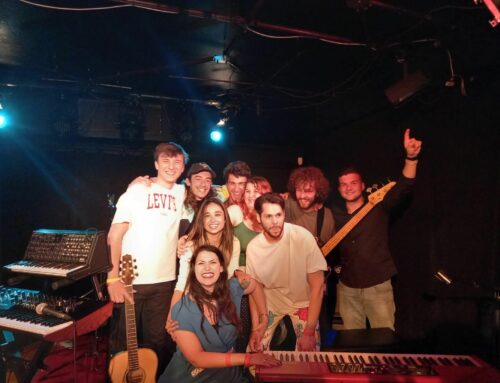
(308, 189)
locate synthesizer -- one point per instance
(64, 253)
(18, 310)
(300, 366)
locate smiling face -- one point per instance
(305, 193)
(236, 187)
(200, 184)
(207, 269)
(251, 194)
(213, 219)
(351, 187)
(169, 169)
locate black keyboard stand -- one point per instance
(11, 356)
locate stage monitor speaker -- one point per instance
(406, 88)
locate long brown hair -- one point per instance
(224, 308)
(199, 236)
(263, 186)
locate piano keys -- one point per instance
(55, 269)
(18, 312)
(22, 319)
(374, 367)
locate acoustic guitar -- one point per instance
(136, 365)
(373, 199)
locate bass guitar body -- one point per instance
(119, 370)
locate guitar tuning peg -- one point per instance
(135, 267)
(136, 274)
(368, 190)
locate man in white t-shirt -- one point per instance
(287, 261)
(146, 226)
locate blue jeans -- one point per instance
(375, 303)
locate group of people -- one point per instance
(246, 258)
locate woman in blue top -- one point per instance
(208, 324)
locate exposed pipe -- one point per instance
(239, 20)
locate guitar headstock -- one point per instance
(127, 268)
(378, 195)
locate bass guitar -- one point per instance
(136, 365)
(373, 199)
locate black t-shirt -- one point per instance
(364, 253)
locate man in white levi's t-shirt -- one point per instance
(146, 226)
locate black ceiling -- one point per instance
(278, 55)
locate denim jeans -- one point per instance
(375, 303)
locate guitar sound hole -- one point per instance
(135, 376)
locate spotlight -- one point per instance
(216, 135)
(3, 117)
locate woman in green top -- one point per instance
(247, 226)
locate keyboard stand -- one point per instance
(12, 356)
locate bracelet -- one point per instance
(247, 362)
(109, 281)
(228, 359)
(307, 332)
(412, 158)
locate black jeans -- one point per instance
(152, 303)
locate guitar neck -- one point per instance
(131, 329)
(340, 235)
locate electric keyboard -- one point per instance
(21, 319)
(64, 253)
(299, 366)
(18, 310)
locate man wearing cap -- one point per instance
(198, 187)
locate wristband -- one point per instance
(307, 332)
(247, 362)
(412, 158)
(109, 281)
(228, 359)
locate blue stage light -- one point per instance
(3, 119)
(216, 135)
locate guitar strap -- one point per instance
(320, 217)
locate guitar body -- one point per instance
(146, 373)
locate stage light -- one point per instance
(216, 135)
(3, 117)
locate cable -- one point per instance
(302, 37)
(74, 9)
